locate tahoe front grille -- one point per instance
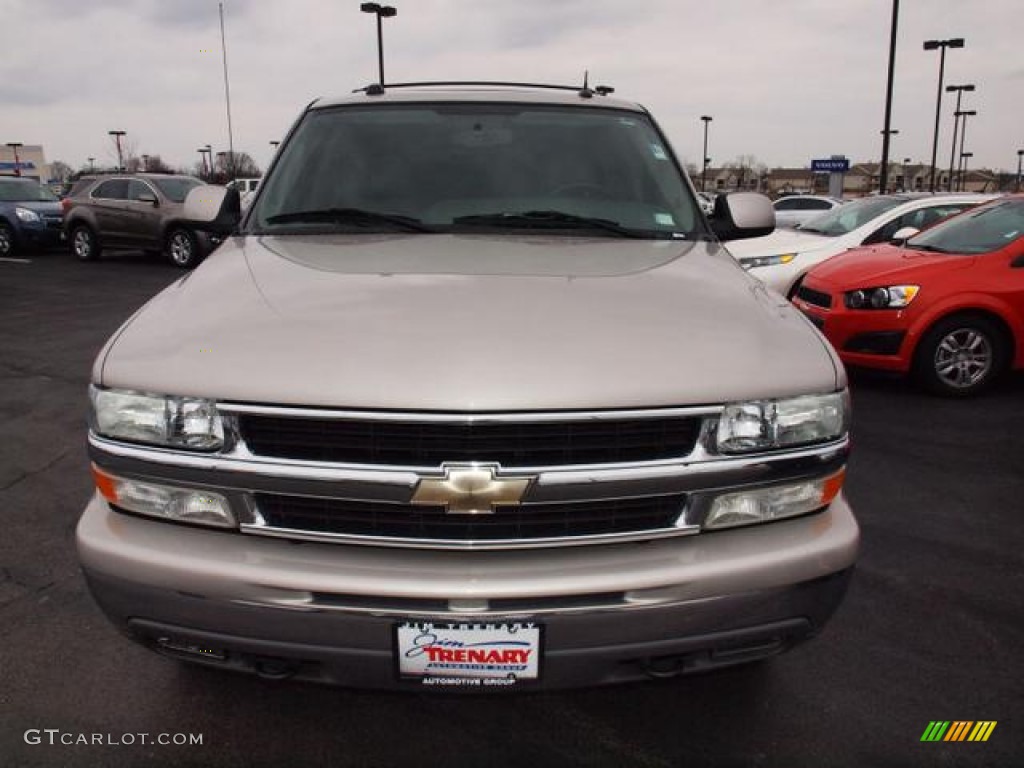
(432, 443)
(425, 523)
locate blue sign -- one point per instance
(831, 165)
(20, 165)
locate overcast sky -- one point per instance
(785, 80)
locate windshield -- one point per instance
(850, 216)
(477, 167)
(982, 230)
(176, 189)
(24, 191)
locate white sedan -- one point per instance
(793, 210)
(781, 259)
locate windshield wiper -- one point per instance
(545, 220)
(929, 248)
(354, 216)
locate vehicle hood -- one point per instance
(468, 323)
(779, 241)
(876, 265)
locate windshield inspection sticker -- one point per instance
(664, 219)
(468, 654)
(659, 152)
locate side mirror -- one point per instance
(739, 215)
(216, 210)
(148, 197)
(900, 236)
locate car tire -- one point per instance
(6, 240)
(960, 356)
(183, 248)
(84, 243)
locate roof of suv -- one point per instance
(480, 92)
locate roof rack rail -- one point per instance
(377, 89)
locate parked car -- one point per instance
(141, 211)
(246, 189)
(784, 257)
(707, 202)
(472, 396)
(792, 210)
(30, 216)
(947, 306)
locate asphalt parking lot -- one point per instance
(931, 629)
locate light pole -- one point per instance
(883, 170)
(17, 163)
(956, 123)
(883, 177)
(963, 135)
(1020, 159)
(382, 12)
(117, 139)
(91, 166)
(942, 45)
(964, 157)
(145, 163)
(704, 158)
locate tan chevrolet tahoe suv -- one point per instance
(470, 397)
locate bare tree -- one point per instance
(228, 166)
(60, 171)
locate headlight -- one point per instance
(888, 297)
(183, 505)
(762, 505)
(175, 422)
(751, 262)
(26, 215)
(764, 425)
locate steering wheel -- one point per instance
(582, 189)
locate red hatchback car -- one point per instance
(946, 306)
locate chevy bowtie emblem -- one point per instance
(470, 490)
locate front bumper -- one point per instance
(39, 235)
(878, 339)
(327, 612)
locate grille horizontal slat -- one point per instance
(511, 444)
(520, 522)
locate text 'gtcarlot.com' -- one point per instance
(55, 736)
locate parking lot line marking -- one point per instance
(15, 261)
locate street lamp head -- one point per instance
(954, 88)
(966, 154)
(387, 11)
(1020, 153)
(706, 118)
(956, 42)
(931, 45)
(370, 7)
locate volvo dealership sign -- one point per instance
(831, 165)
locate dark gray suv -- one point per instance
(134, 212)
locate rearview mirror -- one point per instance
(900, 236)
(213, 209)
(739, 215)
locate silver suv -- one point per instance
(470, 397)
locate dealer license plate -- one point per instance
(468, 654)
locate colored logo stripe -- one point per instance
(982, 730)
(958, 730)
